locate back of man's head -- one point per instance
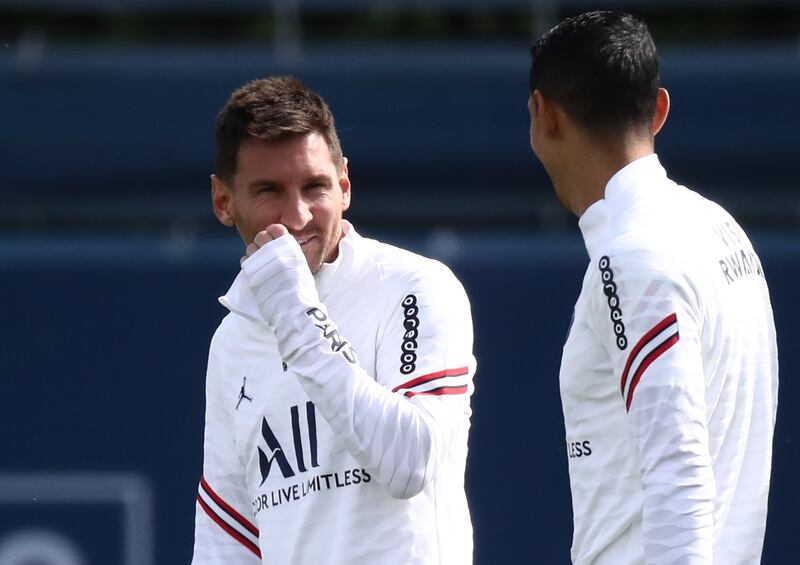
(271, 109)
(602, 69)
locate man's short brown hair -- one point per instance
(271, 109)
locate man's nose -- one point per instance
(296, 213)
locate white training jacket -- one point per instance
(669, 381)
(337, 412)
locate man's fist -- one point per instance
(278, 275)
(273, 231)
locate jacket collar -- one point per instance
(624, 192)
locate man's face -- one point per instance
(544, 149)
(293, 182)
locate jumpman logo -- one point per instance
(243, 394)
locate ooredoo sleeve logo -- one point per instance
(408, 349)
(610, 290)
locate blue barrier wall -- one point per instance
(103, 358)
(91, 130)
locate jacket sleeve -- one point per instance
(400, 422)
(649, 319)
(426, 366)
(224, 529)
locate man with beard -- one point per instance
(338, 386)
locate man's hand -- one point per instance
(273, 231)
(278, 274)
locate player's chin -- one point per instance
(317, 253)
(314, 259)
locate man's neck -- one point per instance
(581, 186)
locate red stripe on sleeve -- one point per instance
(672, 318)
(439, 391)
(233, 533)
(652, 356)
(433, 376)
(233, 513)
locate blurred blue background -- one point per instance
(111, 260)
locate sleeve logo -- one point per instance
(331, 333)
(610, 290)
(408, 349)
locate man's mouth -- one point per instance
(304, 240)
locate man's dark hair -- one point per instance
(271, 109)
(601, 68)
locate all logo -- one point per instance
(276, 456)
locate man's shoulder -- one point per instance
(235, 330)
(396, 265)
(675, 229)
(655, 255)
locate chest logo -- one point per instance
(243, 394)
(274, 454)
(610, 290)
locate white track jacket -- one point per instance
(669, 381)
(337, 412)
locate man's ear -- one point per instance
(221, 201)
(545, 114)
(344, 184)
(662, 110)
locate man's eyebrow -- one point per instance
(318, 179)
(263, 183)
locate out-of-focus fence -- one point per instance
(435, 134)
